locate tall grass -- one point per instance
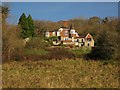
(65, 73)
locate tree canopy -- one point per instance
(27, 26)
(31, 26)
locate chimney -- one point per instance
(65, 23)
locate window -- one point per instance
(82, 44)
(77, 40)
(59, 37)
(88, 44)
(66, 32)
(88, 39)
(66, 38)
(72, 31)
(82, 40)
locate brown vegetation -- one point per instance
(60, 74)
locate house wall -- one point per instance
(64, 38)
(75, 39)
(58, 33)
(53, 33)
(68, 43)
(64, 33)
(47, 34)
(73, 35)
(50, 34)
(79, 40)
(72, 31)
(89, 43)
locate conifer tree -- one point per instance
(31, 26)
(23, 23)
(27, 26)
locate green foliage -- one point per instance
(102, 53)
(23, 23)
(37, 43)
(31, 26)
(51, 39)
(80, 51)
(54, 38)
(35, 52)
(27, 26)
(107, 44)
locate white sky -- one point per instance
(59, 0)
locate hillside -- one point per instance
(60, 74)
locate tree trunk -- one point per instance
(9, 54)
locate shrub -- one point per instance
(101, 53)
(11, 42)
(17, 55)
(60, 53)
(38, 43)
(107, 45)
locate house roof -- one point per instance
(65, 28)
(80, 37)
(85, 35)
(88, 36)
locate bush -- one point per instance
(107, 45)
(17, 55)
(37, 43)
(101, 53)
(11, 42)
(60, 53)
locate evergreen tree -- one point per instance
(27, 26)
(31, 26)
(23, 23)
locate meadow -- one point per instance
(65, 73)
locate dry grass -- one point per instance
(59, 74)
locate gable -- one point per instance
(64, 33)
(88, 36)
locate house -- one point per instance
(86, 40)
(50, 33)
(69, 36)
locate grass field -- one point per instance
(60, 74)
(80, 51)
(35, 52)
